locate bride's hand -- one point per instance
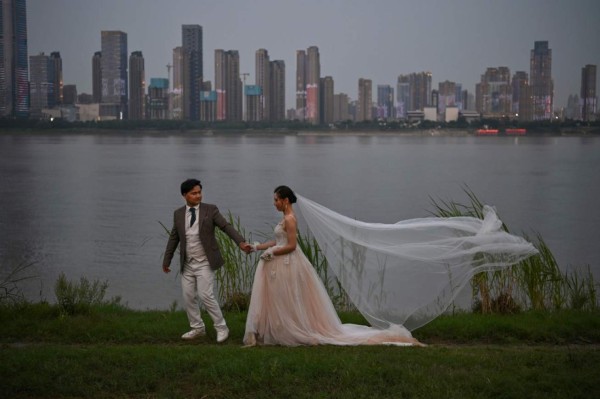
(268, 254)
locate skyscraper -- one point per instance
(494, 93)
(365, 100)
(14, 78)
(192, 70)
(385, 102)
(41, 84)
(114, 75)
(301, 84)
(589, 101)
(97, 77)
(326, 100)
(176, 95)
(137, 86)
(542, 85)
(57, 78)
(277, 88)
(414, 92)
(446, 96)
(263, 80)
(228, 86)
(521, 106)
(313, 81)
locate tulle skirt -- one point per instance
(290, 306)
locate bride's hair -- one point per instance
(285, 192)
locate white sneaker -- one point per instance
(222, 334)
(194, 333)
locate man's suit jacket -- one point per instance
(209, 217)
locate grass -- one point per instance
(113, 352)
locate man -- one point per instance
(194, 228)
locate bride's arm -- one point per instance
(264, 245)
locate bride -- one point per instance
(398, 276)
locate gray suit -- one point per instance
(209, 217)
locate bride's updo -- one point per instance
(285, 192)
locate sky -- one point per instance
(455, 40)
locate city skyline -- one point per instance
(377, 40)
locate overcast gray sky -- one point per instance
(456, 40)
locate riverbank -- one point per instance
(115, 352)
(585, 131)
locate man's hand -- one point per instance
(166, 269)
(247, 248)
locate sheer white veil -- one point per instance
(409, 272)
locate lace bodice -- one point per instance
(280, 234)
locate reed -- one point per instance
(536, 283)
(79, 297)
(234, 280)
(10, 292)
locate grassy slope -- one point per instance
(123, 353)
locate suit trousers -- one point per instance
(197, 282)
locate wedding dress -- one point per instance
(290, 306)
(399, 276)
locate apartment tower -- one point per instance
(137, 86)
(114, 75)
(277, 90)
(14, 70)
(542, 85)
(228, 86)
(97, 77)
(589, 101)
(41, 70)
(365, 98)
(192, 70)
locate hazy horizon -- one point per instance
(378, 40)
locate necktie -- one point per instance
(193, 219)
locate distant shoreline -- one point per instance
(444, 132)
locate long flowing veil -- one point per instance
(409, 272)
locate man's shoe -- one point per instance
(193, 334)
(222, 334)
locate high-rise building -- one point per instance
(192, 70)
(41, 70)
(57, 79)
(158, 99)
(365, 99)
(446, 96)
(253, 95)
(589, 101)
(277, 87)
(114, 75)
(385, 102)
(69, 94)
(414, 93)
(326, 100)
(97, 77)
(301, 84)
(402, 96)
(542, 85)
(228, 86)
(176, 96)
(137, 86)
(520, 86)
(313, 80)
(263, 80)
(14, 78)
(340, 107)
(493, 97)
